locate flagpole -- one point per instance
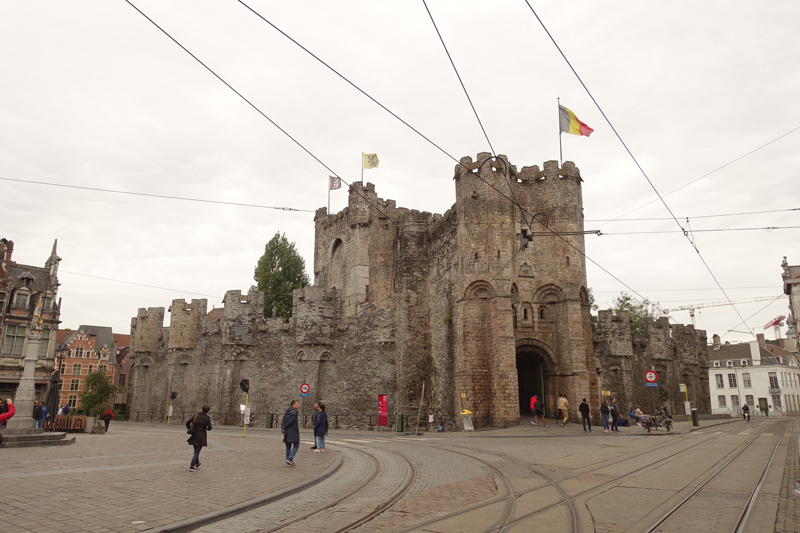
(560, 155)
(362, 168)
(329, 195)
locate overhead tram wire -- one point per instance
(506, 172)
(167, 197)
(707, 174)
(636, 162)
(60, 271)
(256, 108)
(744, 213)
(581, 252)
(767, 228)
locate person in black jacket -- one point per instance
(198, 439)
(291, 432)
(584, 409)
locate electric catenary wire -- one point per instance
(251, 104)
(167, 197)
(636, 162)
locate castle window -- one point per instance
(498, 254)
(15, 339)
(567, 260)
(525, 314)
(543, 313)
(476, 256)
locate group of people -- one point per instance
(200, 424)
(609, 410)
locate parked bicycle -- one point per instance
(650, 422)
(443, 423)
(250, 421)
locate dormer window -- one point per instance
(730, 363)
(744, 362)
(21, 300)
(716, 364)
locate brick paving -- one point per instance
(136, 477)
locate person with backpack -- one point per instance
(320, 427)
(198, 427)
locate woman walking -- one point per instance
(320, 427)
(199, 435)
(291, 432)
(604, 410)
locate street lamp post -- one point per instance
(61, 352)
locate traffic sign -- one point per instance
(651, 384)
(304, 388)
(650, 376)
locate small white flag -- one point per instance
(334, 182)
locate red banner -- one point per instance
(383, 409)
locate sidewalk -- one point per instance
(136, 477)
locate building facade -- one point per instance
(22, 288)
(91, 349)
(766, 378)
(482, 306)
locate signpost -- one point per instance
(244, 384)
(651, 380)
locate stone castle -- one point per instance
(484, 305)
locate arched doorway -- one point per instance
(534, 376)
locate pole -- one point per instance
(421, 399)
(362, 168)
(560, 155)
(246, 418)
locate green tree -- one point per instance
(278, 272)
(639, 310)
(98, 393)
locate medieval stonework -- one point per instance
(488, 300)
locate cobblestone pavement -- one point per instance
(136, 478)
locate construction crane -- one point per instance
(692, 307)
(776, 323)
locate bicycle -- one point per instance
(250, 423)
(443, 423)
(668, 424)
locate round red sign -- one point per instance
(650, 376)
(304, 388)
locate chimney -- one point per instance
(755, 352)
(760, 339)
(715, 340)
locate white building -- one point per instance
(764, 376)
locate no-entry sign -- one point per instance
(304, 388)
(650, 376)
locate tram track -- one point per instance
(731, 462)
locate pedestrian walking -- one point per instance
(563, 408)
(291, 432)
(198, 426)
(9, 410)
(320, 427)
(538, 410)
(313, 422)
(604, 411)
(108, 416)
(37, 414)
(584, 409)
(614, 414)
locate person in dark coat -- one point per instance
(202, 425)
(613, 414)
(584, 409)
(291, 432)
(320, 427)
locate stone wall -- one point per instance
(488, 301)
(677, 353)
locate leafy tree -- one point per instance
(278, 272)
(98, 393)
(638, 309)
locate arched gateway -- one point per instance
(535, 375)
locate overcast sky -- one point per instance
(94, 95)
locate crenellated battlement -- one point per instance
(185, 320)
(242, 316)
(147, 330)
